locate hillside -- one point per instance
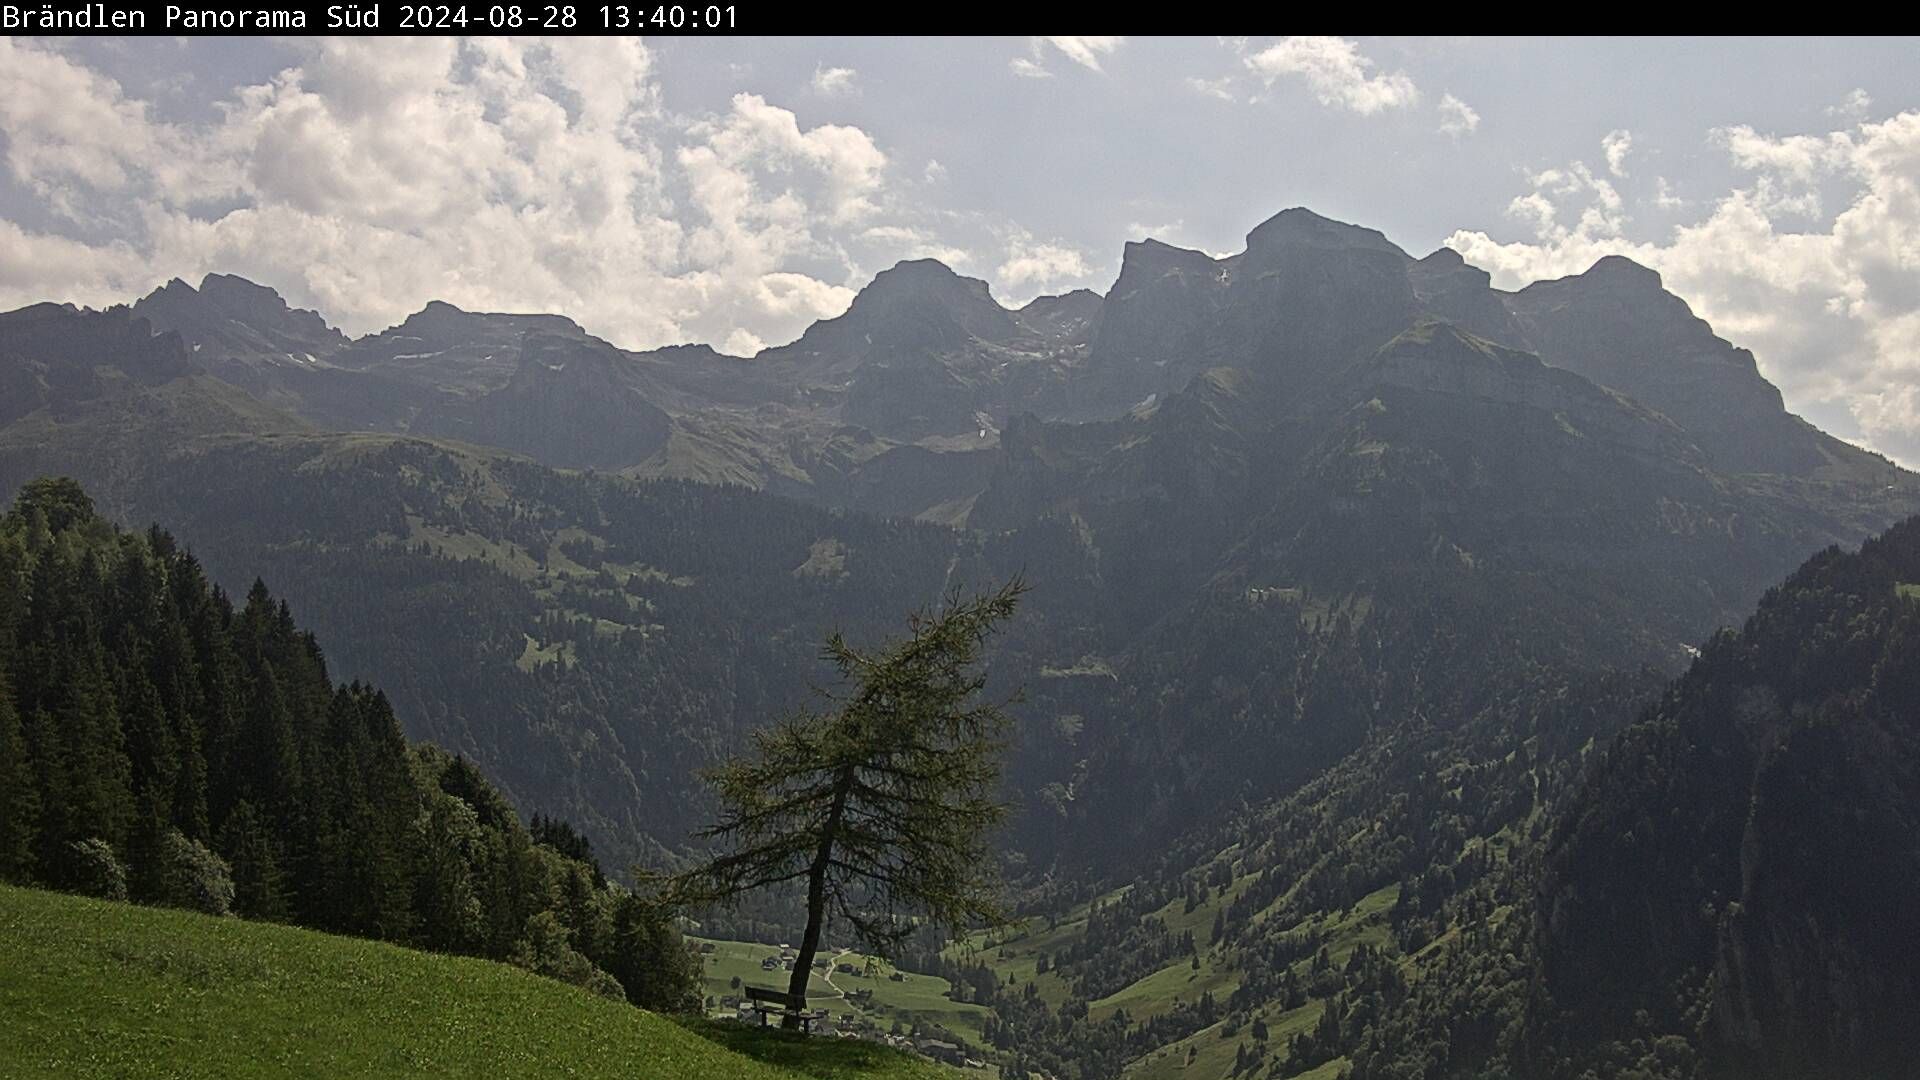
(99, 989)
(1554, 889)
(1289, 505)
(1347, 565)
(1722, 895)
(1769, 810)
(160, 744)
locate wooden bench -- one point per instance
(785, 1004)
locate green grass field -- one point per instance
(915, 997)
(1014, 953)
(1206, 1054)
(95, 989)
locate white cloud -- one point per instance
(742, 343)
(1457, 118)
(905, 242)
(833, 81)
(1221, 88)
(79, 273)
(70, 130)
(1853, 106)
(1032, 265)
(371, 175)
(1335, 72)
(1085, 51)
(1616, 146)
(1796, 158)
(1831, 309)
(1554, 190)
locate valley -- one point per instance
(1354, 579)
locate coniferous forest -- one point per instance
(161, 744)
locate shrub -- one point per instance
(193, 877)
(94, 870)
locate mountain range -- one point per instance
(1322, 534)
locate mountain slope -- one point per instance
(236, 324)
(1439, 599)
(925, 362)
(1766, 815)
(569, 403)
(1326, 470)
(103, 989)
(1438, 514)
(1550, 889)
(100, 387)
(159, 743)
(1616, 325)
(1346, 562)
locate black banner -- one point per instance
(503, 17)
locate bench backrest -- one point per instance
(778, 997)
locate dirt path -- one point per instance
(831, 964)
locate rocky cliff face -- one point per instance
(1308, 296)
(925, 352)
(1617, 325)
(54, 356)
(571, 402)
(236, 324)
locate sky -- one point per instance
(731, 191)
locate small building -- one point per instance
(942, 1051)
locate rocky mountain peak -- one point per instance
(62, 336)
(1302, 228)
(231, 317)
(1620, 272)
(1067, 315)
(448, 326)
(929, 286)
(1145, 260)
(915, 309)
(236, 290)
(1447, 270)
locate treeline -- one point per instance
(588, 687)
(161, 745)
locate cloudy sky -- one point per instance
(731, 191)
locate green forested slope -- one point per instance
(161, 745)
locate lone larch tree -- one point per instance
(883, 803)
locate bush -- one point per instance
(94, 870)
(193, 877)
(546, 951)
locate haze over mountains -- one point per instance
(1322, 535)
(890, 406)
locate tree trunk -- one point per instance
(816, 904)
